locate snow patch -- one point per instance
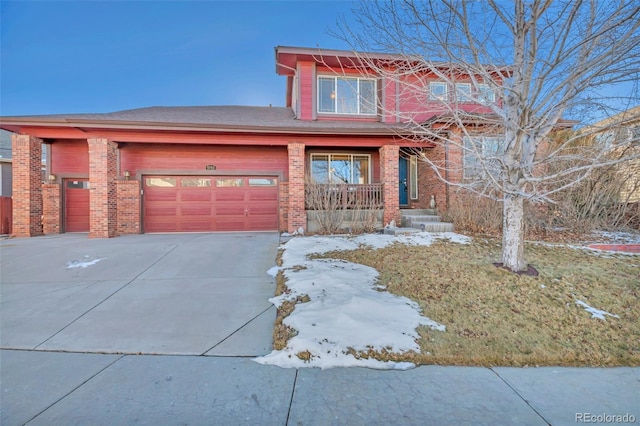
(273, 271)
(347, 311)
(595, 313)
(84, 263)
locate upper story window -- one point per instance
(438, 91)
(463, 92)
(346, 95)
(486, 94)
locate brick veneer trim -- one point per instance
(389, 175)
(128, 203)
(27, 185)
(51, 208)
(103, 195)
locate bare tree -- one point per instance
(514, 72)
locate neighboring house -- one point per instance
(623, 138)
(228, 168)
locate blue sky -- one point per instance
(94, 56)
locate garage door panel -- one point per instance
(196, 196)
(196, 211)
(197, 204)
(160, 195)
(226, 196)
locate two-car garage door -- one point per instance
(210, 203)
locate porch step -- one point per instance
(410, 220)
(400, 231)
(425, 220)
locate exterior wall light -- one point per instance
(127, 174)
(52, 178)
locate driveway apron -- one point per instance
(189, 294)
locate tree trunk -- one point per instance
(513, 234)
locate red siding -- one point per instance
(237, 159)
(389, 100)
(70, 156)
(307, 83)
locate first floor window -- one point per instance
(340, 168)
(486, 94)
(481, 155)
(438, 91)
(346, 95)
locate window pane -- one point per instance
(78, 184)
(347, 99)
(463, 92)
(229, 183)
(360, 169)
(437, 91)
(367, 96)
(162, 182)
(486, 94)
(196, 182)
(262, 182)
(326, 95)
(473, 149)
(341, 168)
(320, 168)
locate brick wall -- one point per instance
(297, 215)
(283, 206)
(27, 186)
(389, 157)
(128, 201)
(51, 208)
(103, 195)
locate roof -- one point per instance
(203, 118)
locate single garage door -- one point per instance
(210, 203)
(76, 205)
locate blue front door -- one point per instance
(403, 185)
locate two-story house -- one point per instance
(230, 168)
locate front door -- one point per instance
(403, 185)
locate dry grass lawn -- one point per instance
(494, 317)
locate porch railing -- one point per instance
(343, 196)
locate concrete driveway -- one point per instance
(190, 294)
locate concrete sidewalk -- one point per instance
(52, 388)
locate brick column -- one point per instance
(128, 206)
(102, 187)
(389, 157)
(27, 185)
(297, 215)
(51, 208)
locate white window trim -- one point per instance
(433, 97)
(351, 154)
(335, 85)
